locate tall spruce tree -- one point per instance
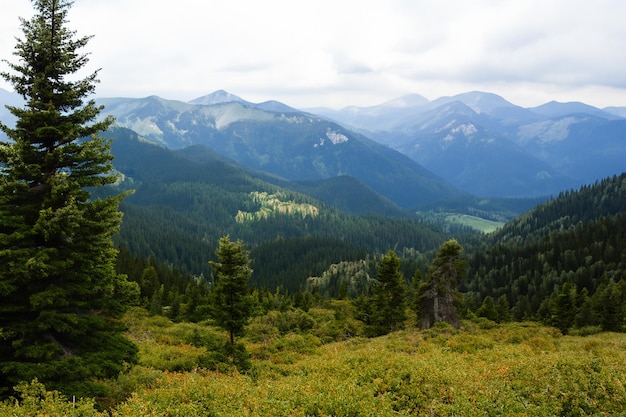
(232, 302)
(388, 299)
(59, 292)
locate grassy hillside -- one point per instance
(481, 369)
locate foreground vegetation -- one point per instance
(195, 346)
(480, 369)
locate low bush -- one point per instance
(35, 400)
(509, 369)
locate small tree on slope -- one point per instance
(388, 296)
(231, 273)
(59, 291)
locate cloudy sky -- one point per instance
(341, 52)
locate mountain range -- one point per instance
(486, 145)
(285, 142)
(411, 151)
(306, 190)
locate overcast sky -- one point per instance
(341, 52)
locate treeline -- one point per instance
(285, 250)
(571, 208)
(182, 297)
(381, 305)
(165, 290)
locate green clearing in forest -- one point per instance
(476, 223)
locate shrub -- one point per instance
(176, 358)
(35, 400)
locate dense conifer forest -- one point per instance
(571, 247)
(572, 243)
(180, 207)
(179, 214)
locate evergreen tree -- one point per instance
(439, 292)
(59, 290)
(584, 315)
(610, 305)
(149, 283)
(416, 283)
(156, 302)
(231, 274)
(488, 309)
(564, 307)
(503, 308)
(388, 299)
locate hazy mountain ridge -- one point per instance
(454, 140)
(486, 145)
(478, 142)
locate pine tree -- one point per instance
(416, 283)
(231, 274)
(58, 285)
(439, 292)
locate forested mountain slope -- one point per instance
(184, 201)
(288, 143)
(570, 208)
(574, 244)
(181, 206)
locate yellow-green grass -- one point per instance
(516, 369)
(513, 369)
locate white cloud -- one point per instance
(351, 52)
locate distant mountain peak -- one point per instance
(218, 97)
(224, 97)
(409, 100)
(558, 109)
(481, 102)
